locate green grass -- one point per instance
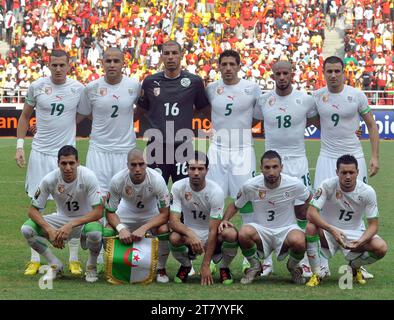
(14, 251)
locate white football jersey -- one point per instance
(232, 112)
(273, 208)
(56, 109)
(73, 199)
(345, 210)
(197, 207)
(112, 109)
(140, 200)
(285, 121)
(339, 120)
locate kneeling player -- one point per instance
(271, 196)
(345, 200)
(139, 203)
(201, 201)
(76, 192)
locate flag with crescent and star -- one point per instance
(131, 263)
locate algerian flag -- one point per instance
(131, 263)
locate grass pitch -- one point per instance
(14, 251)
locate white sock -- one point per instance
(73, 245)
(100, 258)
(164, 251)
(229, 251)
(51, 258)
(312, 249)
(93, 243)
(268, 260)
(366, 258)
(35, 256)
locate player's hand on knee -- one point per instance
(125, 236)
(20, 157)
(206, 275)
(353, 245)
(196, 245)
(339, 237)
(223, 225)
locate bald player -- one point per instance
(110, 102)
(139, 204)
(286, 112)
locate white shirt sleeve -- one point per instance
(162, 193)
(114, 196)
(41, 196)
(242, 198)
(217, 205)
(371, 205)
(176, 202)
(363, 105)
(93, 190)
(84, 106)
(302, 192)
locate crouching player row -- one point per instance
(345, 200)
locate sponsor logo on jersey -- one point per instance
(220, 90)
(248, 91)
(116, 97)
(325, 98)
(317, 194)
(349, 98)
(185, 82)
(59, 98)
(60, 188)
(156, 91)
(188, 196)
(338, 194)
(262, 194)
(37, 194)
(271, 101)
(48, 91)
(335, 106)
(231, 98)
(128, 190)
(271, 203)
(103, 92)
(282, 109)
(157, 83)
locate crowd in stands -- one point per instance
(262, 31)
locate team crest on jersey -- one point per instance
(128, 190)
(185, 82)
(325, 98)
(239, 195)
(338, 194)
(317, 194)
(131, 91)
(103, 92)
(156, 91)
(220, 90)
(48, 91)
(271, 101)
(262, 194)
(298, 101)
(61, 188)
(150, 189)
(37, 194)
(287, 195)
(188, 196)
(349, 98)
(81, 186)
